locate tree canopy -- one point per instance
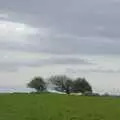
(81, 85)
(61, 83)
(38, 84)
(68, 85)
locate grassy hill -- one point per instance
(58, 107)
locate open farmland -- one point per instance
(58, 107)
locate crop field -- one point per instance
(58, 107)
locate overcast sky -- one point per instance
(72, 37)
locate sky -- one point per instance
(78, 38)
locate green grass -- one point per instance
(58, 107)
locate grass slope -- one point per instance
(58, 107)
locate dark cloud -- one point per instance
(75, 27)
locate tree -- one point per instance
(62, 83)
(81, 85)
(38, 84)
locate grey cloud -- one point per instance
(8, 67)
(95, 70)
(67, 60)
(69, 21)
(66, 45)
(13, 66)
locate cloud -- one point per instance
(14, 31)
(63, 44)
(13, 65)
(80, 27)
(3, 16)
(66, 61)
(92, 70)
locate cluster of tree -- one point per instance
(62, 84)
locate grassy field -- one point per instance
(58, 107)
